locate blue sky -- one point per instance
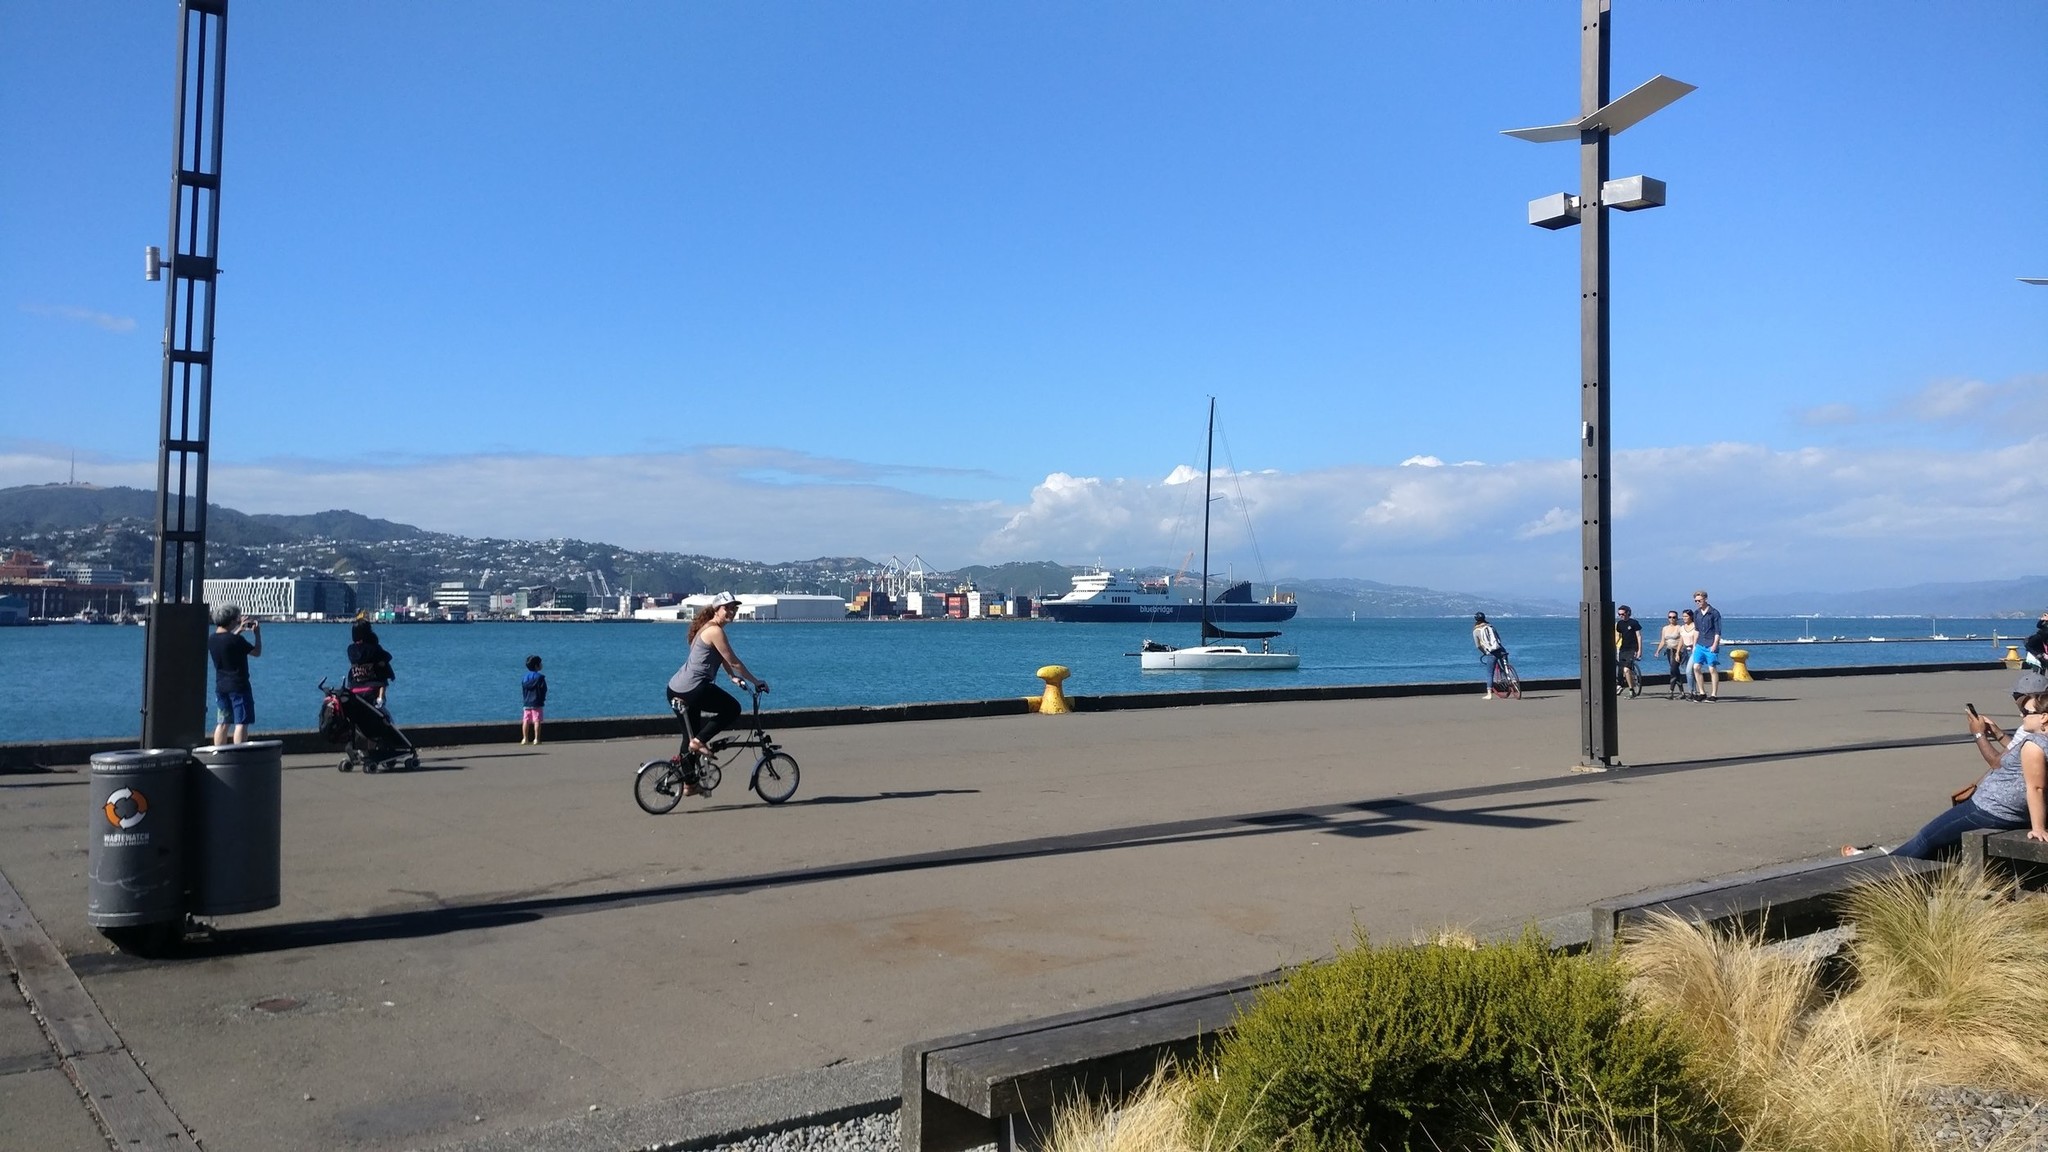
(784, 280)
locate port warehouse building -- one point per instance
(292, 597)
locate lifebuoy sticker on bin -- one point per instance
(125, 809)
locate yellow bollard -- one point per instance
(1738, 661)
(2012, 657)
(1054, 702)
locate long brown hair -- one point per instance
(702, 618)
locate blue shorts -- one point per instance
(235, 707)
(1706, 657)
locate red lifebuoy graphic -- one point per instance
(137, 808)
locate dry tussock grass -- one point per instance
(1950, 986)
(1949, 977)
(1956, 973)
(1154, 1120)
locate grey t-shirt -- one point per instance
(699, 668)
(2003, 791)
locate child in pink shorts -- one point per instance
(533, 689)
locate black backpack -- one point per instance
(334, 724)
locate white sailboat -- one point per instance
(1208, 657)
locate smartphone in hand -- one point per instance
(1972, 710)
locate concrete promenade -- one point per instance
(502, 951)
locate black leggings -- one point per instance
(690, 708)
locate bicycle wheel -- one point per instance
(775, 776)
(1511, 684)
(658, 787)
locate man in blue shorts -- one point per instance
(1706, 652)
(232, 695)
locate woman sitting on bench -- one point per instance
(2014, 794)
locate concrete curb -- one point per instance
(39, 756)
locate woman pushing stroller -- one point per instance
(369, 665)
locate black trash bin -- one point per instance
(135, 851)
(237, 806)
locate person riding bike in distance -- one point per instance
(693, 691)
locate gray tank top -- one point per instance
(2003, 790)
(699, 668)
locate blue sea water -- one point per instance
(80, 681)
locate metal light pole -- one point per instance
(174, 652)
(1600, 741)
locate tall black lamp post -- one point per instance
(1598, 119)
(174, 653)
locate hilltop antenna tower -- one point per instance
(174, 651)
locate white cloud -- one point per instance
(1549, 524)
(1422, 462)
(104, 321)
(1738, 517)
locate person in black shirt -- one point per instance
(1629, 632)
(369, 665)
(232, 695)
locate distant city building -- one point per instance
(13, 610)
(87, 574)
(284, 597)
(21, 565)
(456, 595)
(547, 599)
(369, 594)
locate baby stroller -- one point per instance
(374, 743)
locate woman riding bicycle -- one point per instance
(693, 691)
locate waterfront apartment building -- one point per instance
(456, 597)
(285, 597)
(83, 573)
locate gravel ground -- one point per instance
(1966, 1118)
(875, 1133)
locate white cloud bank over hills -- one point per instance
(1738, 518)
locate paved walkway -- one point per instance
(502, 949)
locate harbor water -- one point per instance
(85, 681)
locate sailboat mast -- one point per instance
(1208, 477)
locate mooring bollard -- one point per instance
(1054, 702)
(2012, 657)
(1738, 661)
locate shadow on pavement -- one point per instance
(1360, 819)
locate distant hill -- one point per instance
(2024, 598)
(68, 507)
(1342, 597)
(113, 526)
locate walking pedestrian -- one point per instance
(533, 694)
(1706, 651)
(1672, 645)
(1628, 636)
(233, 697)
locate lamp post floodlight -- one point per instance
(1599, 118)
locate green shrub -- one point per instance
(1443, 1048)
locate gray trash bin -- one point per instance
(237, 809)
(135, 851)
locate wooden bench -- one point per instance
(2025, 860)
(1783, 901)
(999, 1085)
